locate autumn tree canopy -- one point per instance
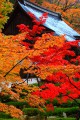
(49, 57)
(48, 54)
(53, 60)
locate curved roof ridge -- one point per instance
(27, 2)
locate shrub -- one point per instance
(59, 111)
(4, 98)
(17, 104)
(68, 104)
(65, 119)
(4, 115)
(31, 111)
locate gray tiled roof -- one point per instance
(53, 22)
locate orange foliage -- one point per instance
(10, 53)
(39, 102)
(72, 15)
(52, 7)
(69, 9)
(13, 111)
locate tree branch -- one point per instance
(73, 84)
(14, 66)
(72, 99)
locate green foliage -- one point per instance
(39, 1)
(56, 119)
(5, 8)
(5, 98)
(55, 102)
(4, 115)
(31, 111)
(13, 1)
(59, 111)
(65, 119)
(19, 105)
(68, 104)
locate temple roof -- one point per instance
(53, 22)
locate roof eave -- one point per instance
(25, 3)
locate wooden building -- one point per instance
(54, 21)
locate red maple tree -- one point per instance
(56, 62)
(53, 60)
